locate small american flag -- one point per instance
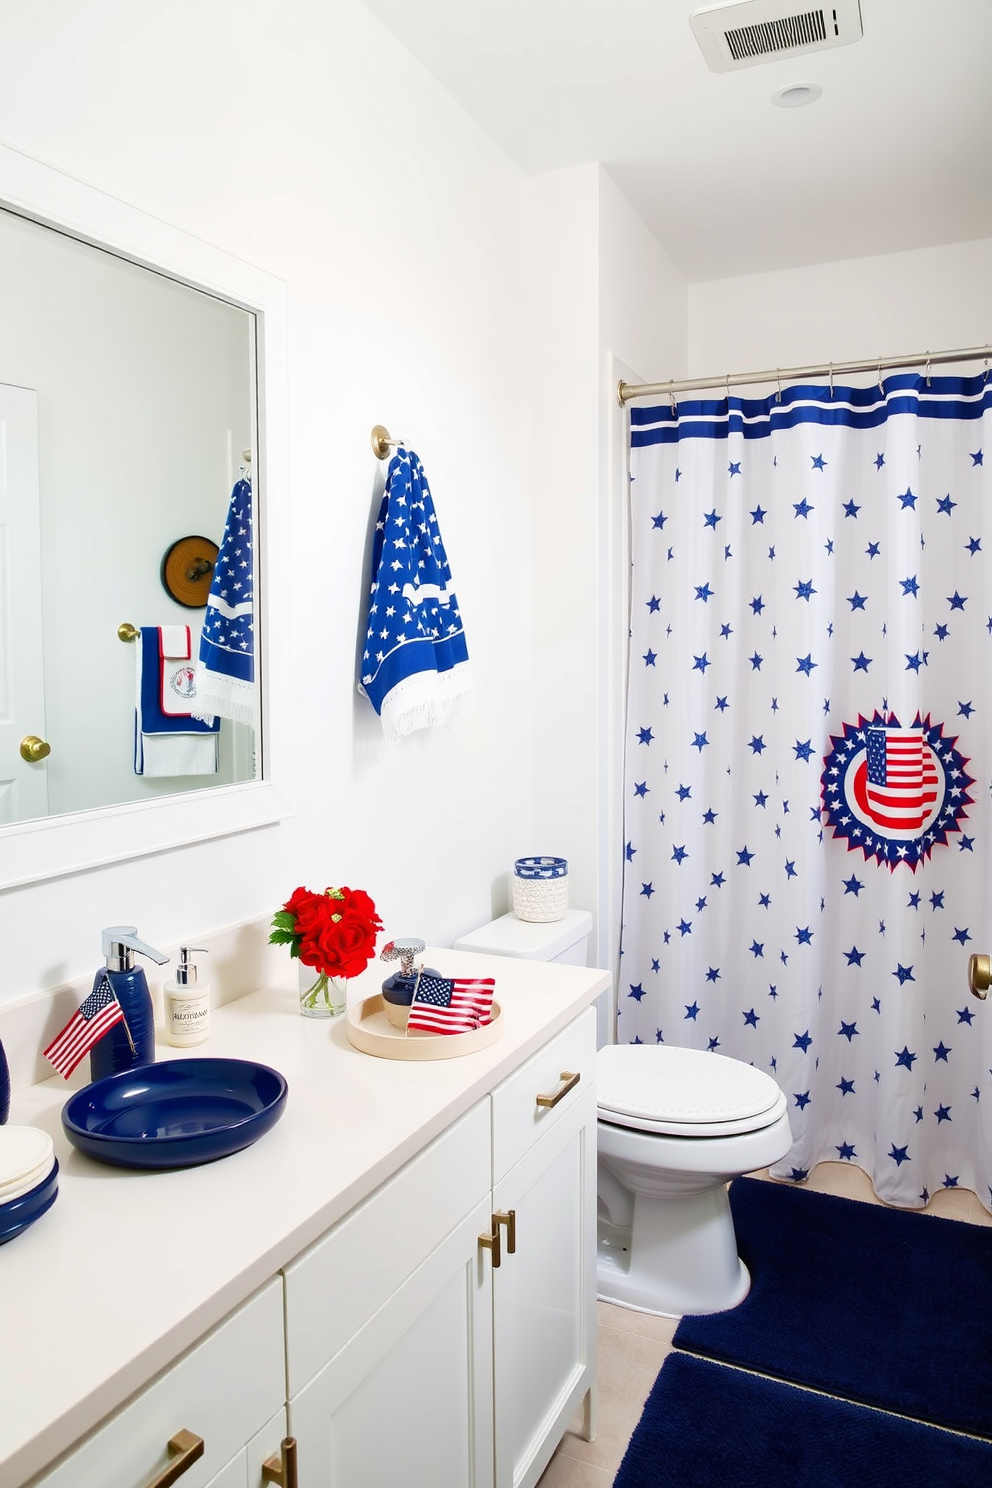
(451, 1004)
(902, 778)
(88, 1024)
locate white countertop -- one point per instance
(128, 1269)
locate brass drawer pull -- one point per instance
(185, 1449)
(282, 1470)
(507, 1217)
(569, 1083)
(491, 1242)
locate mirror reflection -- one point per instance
(127, 417)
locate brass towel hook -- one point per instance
(127, 632)
(383, 442)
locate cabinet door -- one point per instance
(408, 1399)
(544, 1295)
(245, 1470)
(224, 1390)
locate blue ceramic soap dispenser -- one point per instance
(116, 1050)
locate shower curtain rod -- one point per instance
(629, 390)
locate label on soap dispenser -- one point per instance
(188, 1018)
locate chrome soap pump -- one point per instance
(120, 1049)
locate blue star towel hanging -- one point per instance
(225, 675)
(415, 669)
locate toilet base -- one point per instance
(679, 1255)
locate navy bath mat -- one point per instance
(882, 1306)
(708, 1426)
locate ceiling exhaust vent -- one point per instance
(742, 33)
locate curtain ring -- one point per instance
(831, 379)
(778, 374)
(986, 377)
(880, 387)
(671, 397)
(728, 389)
(928, 369)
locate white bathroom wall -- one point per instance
(302, 138)
(930, 298)
(605, 299)
(643, 335)
(563, 265)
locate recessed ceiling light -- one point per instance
(796, 95)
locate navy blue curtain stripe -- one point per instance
(855, 408)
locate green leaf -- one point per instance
(282, 937)
(282, 920)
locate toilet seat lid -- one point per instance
(683, 1092)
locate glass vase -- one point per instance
(321, 995)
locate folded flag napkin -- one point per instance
(451, 1004)
(168, 740)
(414, 669)
(225, 673)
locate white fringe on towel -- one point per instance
(425, 699)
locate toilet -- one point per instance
(674, 1127)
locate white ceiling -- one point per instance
(895, 154)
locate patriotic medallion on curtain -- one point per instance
(808, 762)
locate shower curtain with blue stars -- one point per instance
(808, 762)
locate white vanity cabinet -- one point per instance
(544, 1292)
(412, 1355)
(229, 1390)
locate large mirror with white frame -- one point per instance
(142, 374)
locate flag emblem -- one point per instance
(895, 792)
(451, 1004)
(95, 1017)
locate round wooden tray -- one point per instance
(371, 1031)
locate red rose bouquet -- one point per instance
(334, 933)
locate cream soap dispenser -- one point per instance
(187, 1003)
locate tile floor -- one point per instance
(632, 1348)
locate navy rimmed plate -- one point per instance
(19, 1213)
(175, 1114)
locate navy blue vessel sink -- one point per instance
(175, 1114)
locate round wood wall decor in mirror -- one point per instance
(188, 570)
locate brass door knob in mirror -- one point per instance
(979, 975)
(34, 749)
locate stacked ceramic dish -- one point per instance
(29, 1178)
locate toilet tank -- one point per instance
(565, 941)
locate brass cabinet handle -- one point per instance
(282, 1470)
(185, 1449)
(979, 976)
(507, 1217)
(491, 1242)
(569, 1082)
(34, 749)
